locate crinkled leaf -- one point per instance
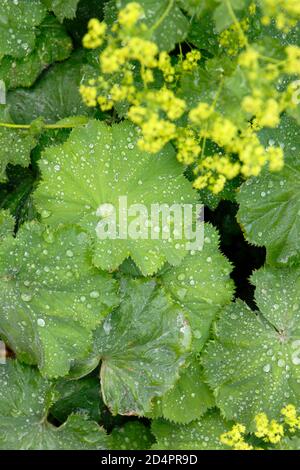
(142, 345)
(17, 27)
(78, 396)
(270, 204)
(166, 22)
(52, 44)
(189, 399)
(51, 298)
(253, 364)
(132, 436)
(96, 166)
(62, 8)
(54, 97)
(25, 399)
(203, 434)
(202, 285)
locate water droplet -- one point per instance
(69, 253)
(41, 322)
(94, 294)
(26, 297)
(45, 214)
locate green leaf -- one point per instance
(86, 10)
(270, 204)
(25, 399)
(52, 44)
(190, 397)
(78, 396)
(203, 434)
(142, 345)
(202, 32)
(54, 97)
(62, 8)
(51, 298)
(96, 166)
(202, 285)
(222, 15)
(15, 148)
(166, 22)
(7, 224)
(254, 363)
(195, 7)
(132, 436)
(289, 443)
(17, 27)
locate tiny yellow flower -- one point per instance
(130, 14)
(89, 95)
(202, 112)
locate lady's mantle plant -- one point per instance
(165, 104)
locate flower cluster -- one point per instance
(285, 12)
(270, 431)
(291, 419)
(235, 438)
(134, 73)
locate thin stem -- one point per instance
(10, 125)
(163, 16)
(220, 87)
(236, 21)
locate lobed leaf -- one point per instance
(96, 166)
(52, 44)
(51, 298)
(270, 203)
(62, 8)
(142, 344)
(19, 19)
(203, 434)
(253, 364)
(201, 284)
(25, 399)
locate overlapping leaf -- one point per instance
(78, 396)
(52, 44)
(253, 364)
(166, 22)
(84, 179)
(188, 400)
(54, 97)
(19, 19)
(51, 298)
(202, 285)
(132, 436)
(62, 8)
(203, 434)
(270, 204)
(15, 144)
(25, 399)
(142, 345)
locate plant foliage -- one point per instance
(111, 110)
